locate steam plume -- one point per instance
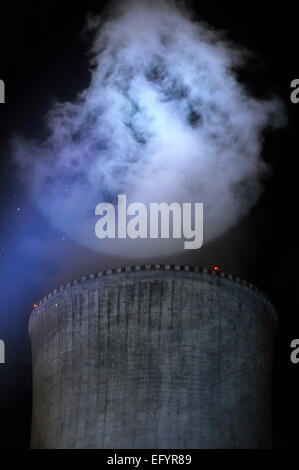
(163, 119)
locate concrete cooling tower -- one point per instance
(153, 357)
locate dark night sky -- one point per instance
(42, 58)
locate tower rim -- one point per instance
(170, 268)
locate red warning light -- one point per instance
(34, 305)
(216, 268)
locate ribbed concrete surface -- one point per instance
(153, 359)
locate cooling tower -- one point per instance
(153, 357)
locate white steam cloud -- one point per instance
(163, 119)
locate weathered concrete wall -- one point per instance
(152, 359)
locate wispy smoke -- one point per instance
(163, 119)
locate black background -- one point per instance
(43, 57)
